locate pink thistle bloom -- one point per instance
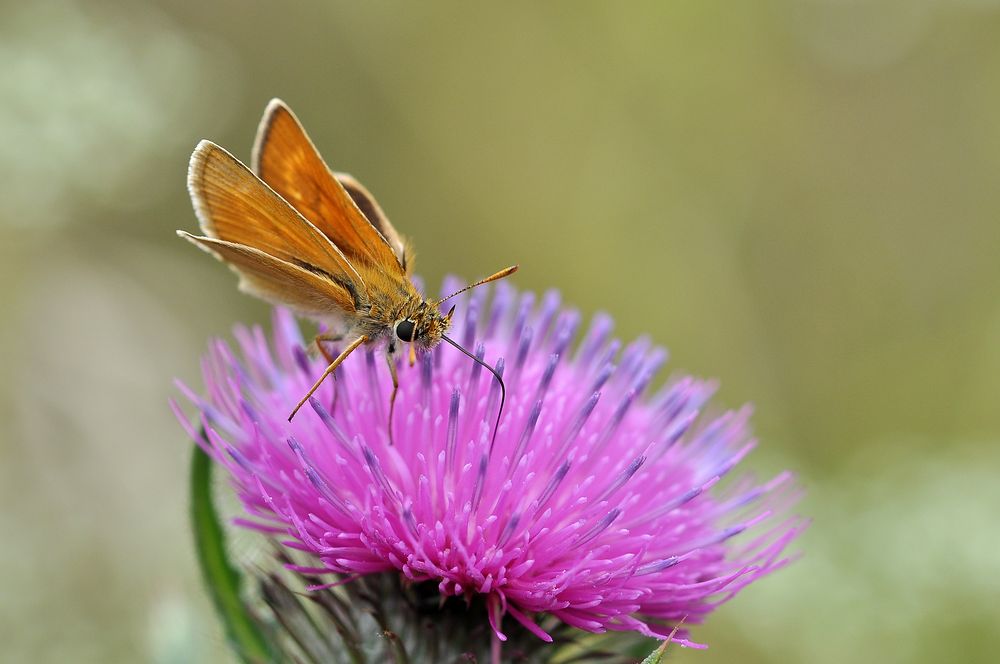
(595, 504)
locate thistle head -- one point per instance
(595, 505)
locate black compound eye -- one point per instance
(404, 330)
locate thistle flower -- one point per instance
(594, 507)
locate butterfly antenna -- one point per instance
(506, 272)
(503, 388)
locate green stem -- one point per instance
(221, 578)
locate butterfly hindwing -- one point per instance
(308, 292)
(373, 212)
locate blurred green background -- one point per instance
(798, 197)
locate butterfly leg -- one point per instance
(351, 347)
(332, 338)
(391, 359)
(327, 337)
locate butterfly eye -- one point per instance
(404, 330)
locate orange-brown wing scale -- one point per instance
(286, 159)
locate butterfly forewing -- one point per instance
(287, 161)
(234, 205)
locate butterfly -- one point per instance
(302, 236)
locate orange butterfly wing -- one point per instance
(246, 221)
(373, 212)
(278, 281)
(285, 158)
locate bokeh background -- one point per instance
(798, 197)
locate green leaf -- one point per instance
(221, 577)
(656, 656)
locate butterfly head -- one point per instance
(425, 327)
